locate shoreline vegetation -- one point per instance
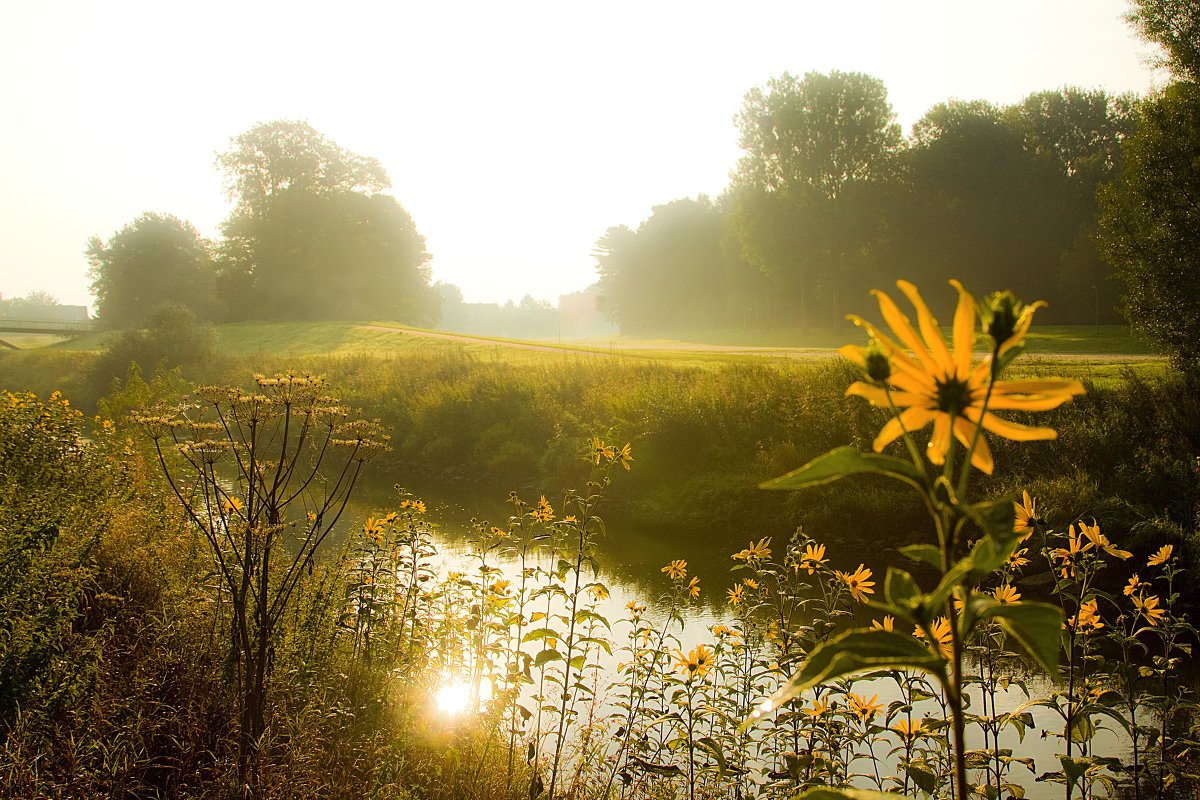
(99, 564)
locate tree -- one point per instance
(273, 157)
(810, 143)
(675, 255)
(311, 237)
(1148, 222)
(1175, 25)
(28, 305)
(155, 259)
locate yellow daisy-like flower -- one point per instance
(1148, 608)
(696, 663)
(598, 591)
(1017, 559)
(814, 556)
(543, 512)
(1093, 534)
(750, 583)
(887, 624)
(817, 709)
(694, 587)
(602, 451)
(936, 385)
(941, 635)
(635, 608)
(908, 731)
(736, 595)
(858, 582)
(1025, 516)
(1006, 594)
(231, 505)
(1161, 556)
(1088, 619)
(756, 553)
(865, 709)
(625, 456)
(676, 570)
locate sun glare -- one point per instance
(455, 696)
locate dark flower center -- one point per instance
(953, 396)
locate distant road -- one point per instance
(798, 353)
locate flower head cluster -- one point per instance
(935, 384)
(697, 663)
(858, 582)
(756, 553)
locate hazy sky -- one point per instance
(514, 133)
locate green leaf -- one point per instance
(1035, 626)
(901, 590)
(994, 518)
(843, 461)
(925, 553)
(546, 656)
(850, 653)
(825, 793)
(925, 780)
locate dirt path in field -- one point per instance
(798, 353)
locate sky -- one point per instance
(514, 133)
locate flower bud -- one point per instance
(1000, 312)
(879, 366)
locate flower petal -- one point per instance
(911, 419)
(964, 329)
(981, 457)
(939, 443)
(903, 329)
(929, 328)
(879, 397)
(1014, 430)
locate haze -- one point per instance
(513, 134)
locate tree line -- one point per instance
(830, 199)
(1079, 197)
(312, 236)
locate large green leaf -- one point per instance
(1035, 626)
(844, 461)
(850, 653)
(826, 793)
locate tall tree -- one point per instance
(312, 237)
(809, 142)
(1175, 25)
(273, 157)
(1148, 223)
(155, 259)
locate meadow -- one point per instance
(513, 675)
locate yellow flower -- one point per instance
(1006, 594)
(601, 451)
(817, 709)
(1017, 558)
(942, 635)
(1148, 608)
(543, 512)
(1161, 556)
(908, 731)
(859, 583)
(676, 570)
(500, 586)
(1134, 586)
(863, 708)
(635, 608)
(1093, 534)
(694, 587)
(1025, 519)
(625, 456)
(936, 385)
(598, 591)
(311, 516)
(888, 623)
(1088, 619)
(756, 553)
(814, 556)
(231, 505)
(736, 595)
(750, 583)
(696, 663)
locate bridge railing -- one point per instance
(44, 326)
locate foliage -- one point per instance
(155, 259)
(1175, 25)
(174, 337)
(313, 237)
(239, 462)
(1148, 217)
